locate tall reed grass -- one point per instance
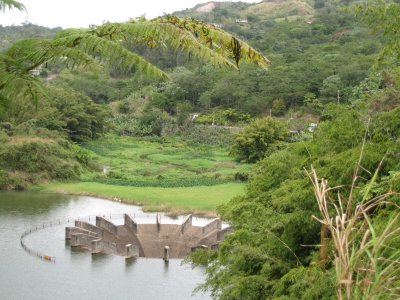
(366, 262)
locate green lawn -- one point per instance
(197, 199)
(134, 159)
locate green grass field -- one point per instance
(198, 199)
(168, 175)
(133, 159)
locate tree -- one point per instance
(259, 139)
(383, 18)
(106, 45)
(274, 251)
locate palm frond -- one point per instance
(220, 41)
(10, 4)
(107, 50)
(16, 82)
(31, 53)
(163, 35)
(202, 40)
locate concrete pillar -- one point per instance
(166, 254)
(131, 251)
(186, 224)
(96, 246)
(68, 233)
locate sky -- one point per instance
(82, 13)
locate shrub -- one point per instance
(259, 139)
(27, 159)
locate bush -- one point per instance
(259, 139)
(30, 159)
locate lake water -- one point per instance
(79, 274)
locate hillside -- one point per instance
(280, 9)
(249, 13)
(12, 34)
(316, 50)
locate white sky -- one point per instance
(82, 13)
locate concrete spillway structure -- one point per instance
(145, 240)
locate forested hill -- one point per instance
(11, 34)
(320, 54)
(319, 51)
(276, 10)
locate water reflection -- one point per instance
(130, 262)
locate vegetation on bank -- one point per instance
(277, 243)
(31, 156)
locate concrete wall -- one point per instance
(81, 239)
(89, 227)
(106, 225)
(186, 224)
(72, 230)
(95, 245)
(130, 223)
(108, 247)
(213, 225)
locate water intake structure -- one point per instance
(145, 240)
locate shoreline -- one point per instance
(145, 206)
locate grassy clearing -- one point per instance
(133, 159)
(198, 199)
(161, 174)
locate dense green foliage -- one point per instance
(29, 155)
(323, 57)
(259, 139)
(272, 245)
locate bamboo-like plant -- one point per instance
(367, 267)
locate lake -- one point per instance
(78, 274)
